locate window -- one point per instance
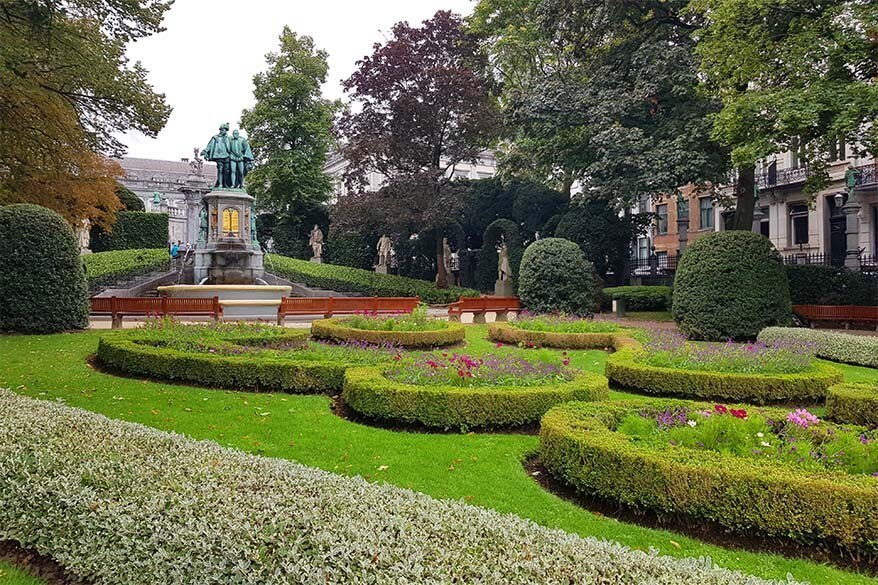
(705, 208)
(799, 223)
(642, 248)
(764, 223)
(661, 259)
(661, 220)
(643, 204)
(837, 151)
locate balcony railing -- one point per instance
(867, 175)
(771, 179)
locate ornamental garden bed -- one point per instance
(413, 331)
(557, 331)
(861, 350)
(762, 472)
(453, 391)
(853, 403)
(757, 373)
(236, 356)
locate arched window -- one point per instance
(231, 225)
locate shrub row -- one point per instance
(132, 230)
(370, 393)
(811, 284)
(116, 502)
(335, 329)
(578, 445)
(555, 277)
(105, 268)
(838, 347)
(624, 368)
(128, 352)
(638, 298)
(346, 279)
(506, 333)
(853, 403)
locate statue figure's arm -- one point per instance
(248, 154)
(208, 149)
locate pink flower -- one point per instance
(566, 361)
(498, 345)
(742, 414)
(720, 408)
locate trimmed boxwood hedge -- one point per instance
(813, 284)
(129, 353)
(831, 345)
(638, 298)
(555, 277)
(106, 268)
(354, 280)
(335, 329)
(624, 368)
(506, 333)
(132, 230)
(368, 391)
(768, 498)
(853, 403)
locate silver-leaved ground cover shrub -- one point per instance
(121, 503)
(830, 345)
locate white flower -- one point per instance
(765, 444)
(760, 435)
(691, 423)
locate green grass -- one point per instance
(665, 316)
(10, 575)
(483, 469)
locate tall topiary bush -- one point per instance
(487, 271)
(730, 285)
(131, 201)
(556, 277)
(132, 230)
(42, 281)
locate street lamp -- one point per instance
(839, 200)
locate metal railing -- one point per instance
(770, 179)
(866, 175)
(864, 262)
(654, 265)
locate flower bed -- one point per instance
(580, 444)
(458, 391)
(853, 403)
(838, 347)
(102, 269)
(255, 357)
(630, 368)
(344, 329)
(345, 279)
(116, 502)
(515, 334)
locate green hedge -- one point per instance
(624, 369)
(638, 298)
(42, 283)
(132, 230)
(354, 280)
(838, 347)
(555, 277)
(370, 393)
(506, 333)
(811, 284)
(105, 268)
(128, 352)
(767, 498)
(335, 329)
(853, 403)
(486, 274)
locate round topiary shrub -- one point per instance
(555, 277)
(730, 285)
(42, 281)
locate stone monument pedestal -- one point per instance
(504, 288)
(316, 260)
(381, 269)
(230, 254)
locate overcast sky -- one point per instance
(205, 61)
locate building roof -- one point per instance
(171, 171)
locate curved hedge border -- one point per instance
(370, 393)
(838, 347)
(509, 333)
(105, 268)
(260, 373)
(117, 502)
(578, 445)
(853, 403)
(624, 368)
(335, 329)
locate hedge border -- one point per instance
(578, 446)
(853, 403)
(369, 392)
(508, 333)
(861, 350)
(623, 368)
(122, 352)
(334, 329)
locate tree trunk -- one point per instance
(745, 195)
(441, 277)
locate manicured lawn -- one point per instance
(483, 469)
(9, 575)
(650, 316)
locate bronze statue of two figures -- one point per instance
(232, 156)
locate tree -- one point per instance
(67, 91)
(290, 129)
(791, 75)
(422, 106)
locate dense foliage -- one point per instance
(129, 200)
(556, 278)
(488, 256)
(763, 497)
(468, 371)
(638, 298)
(42, 280)
(420, 333)
(853, 403)
(102, 269)
(543, 334)
(132, 230)
(730, 285)
(812, 284)
(830, 345)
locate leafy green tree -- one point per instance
(791, 74)
(290, 132)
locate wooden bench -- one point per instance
(845, 314)
(329, 306)
(480, 306)
(119, 307)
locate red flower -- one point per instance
(397, 357)
(739, 413)
(499, 345)
(720, 408)
(460, 372)
(566, 361)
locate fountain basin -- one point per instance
(239, 302)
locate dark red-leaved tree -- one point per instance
(420, 104)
